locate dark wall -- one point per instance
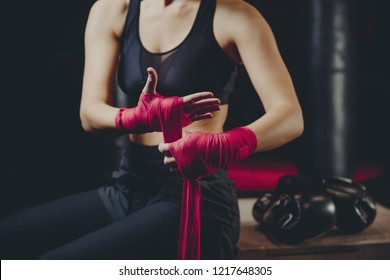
(290, 22)
(44, 151)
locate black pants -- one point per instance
(136, 216)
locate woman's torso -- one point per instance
(178, 20)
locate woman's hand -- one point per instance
(153, 109)
(196, 106)
(198, 154)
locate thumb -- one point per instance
(151, 82)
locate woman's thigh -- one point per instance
(149, 233)
(29, 233)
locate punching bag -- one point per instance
(330, 90)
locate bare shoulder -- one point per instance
(237, 10)
(110, 7)
(239, 16)
(110, 12)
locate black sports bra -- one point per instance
(197, 64)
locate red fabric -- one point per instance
(199, 154)
(156, 113)
(368, 170)
(145, 117)
(259, 173)
(189, 235)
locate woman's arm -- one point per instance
(102, 36)
(257, 49)
(250, 40)
(101, 56)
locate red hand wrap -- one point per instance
(145, 117)
(197, 155)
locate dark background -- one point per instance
(44, 152)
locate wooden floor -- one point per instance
(372, 243)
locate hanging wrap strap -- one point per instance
(197, 155)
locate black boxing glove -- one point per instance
(293, 218)
(355, 207)
(261, 205)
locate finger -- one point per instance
(170, 161)
(197, 96)
(151, 82)
(164, 149)
(201, 117)
(204, 110)
(206, 102)
(203, 102)
(204, 113)
(201, 110)
(174, 169)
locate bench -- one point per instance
(371, 243)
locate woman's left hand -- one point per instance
(198, 154)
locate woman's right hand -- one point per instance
(152, 108)
(196, 106)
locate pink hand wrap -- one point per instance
(145, 117)
(199, 154)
